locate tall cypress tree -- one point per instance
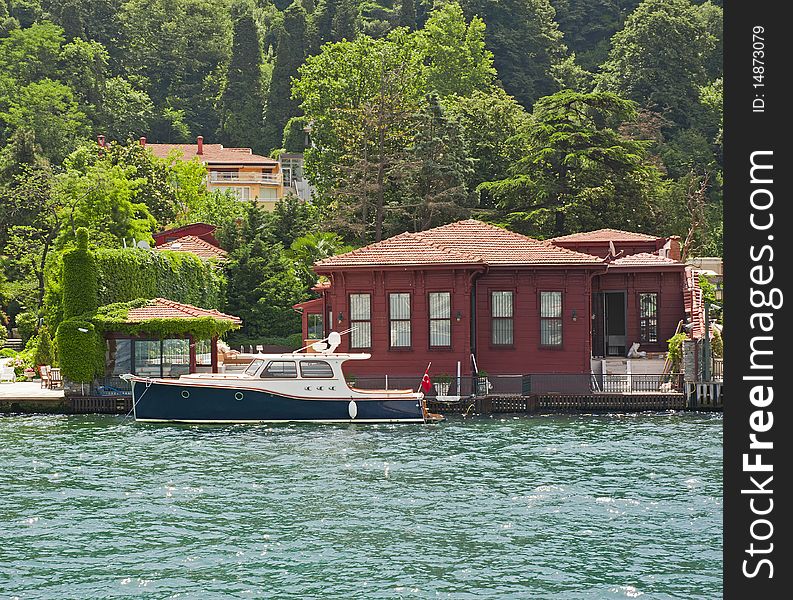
(290, 52)
(407, 14)
(242, 101)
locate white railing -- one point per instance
(232, 177)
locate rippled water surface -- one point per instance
(538, 507)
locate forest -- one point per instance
(543, 116)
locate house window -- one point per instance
(501, 317)
(648, 318)
(440, 319)
(361, 320)
(399, 316)
(550, 318)
(240, 193)
(316, 328)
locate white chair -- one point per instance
(7, 372)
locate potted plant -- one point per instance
(442, 384)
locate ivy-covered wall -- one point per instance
(127, 274)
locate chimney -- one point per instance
(100, 139)
(674, 247)
(200, 140)
(143, 141)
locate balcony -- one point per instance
(245, 177)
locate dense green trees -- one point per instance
(290, 52)
(577, 171)
(242, 100)
(545, 115)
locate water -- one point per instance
(537, 507)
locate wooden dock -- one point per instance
(567, 403)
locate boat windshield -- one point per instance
(255, 365)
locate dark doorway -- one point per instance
(608, 326)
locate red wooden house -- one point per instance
(474, 293)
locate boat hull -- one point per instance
(155, 401)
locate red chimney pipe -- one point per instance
(200, 140)
(143, 141)
(101, 141)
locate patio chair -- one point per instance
(44, 373)
(56, 381)
(7, 373)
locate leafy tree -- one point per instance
(310, 248)
(359, 97)
(104, 198)
(437, 174)
(48, 108)
(456, 59)
(241, 101)
(657, 59)
(31, 54)
(407, 14)
(289, 55)
(262, 289)
(174, 50)
(489, 122)
(525, 42)
(589, 24)
(31, 219)
(123, 112)
(578, 172)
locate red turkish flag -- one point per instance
(426, 384)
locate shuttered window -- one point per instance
(399, 319)
(361, 320)
(502, 327)
(440, 319)
(550, 318)
(648, 318)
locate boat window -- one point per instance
(280, 368)
(316, 368)
(253, 367)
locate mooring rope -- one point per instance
(135, 402)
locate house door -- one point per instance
(608, 326)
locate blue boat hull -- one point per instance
(187, 403)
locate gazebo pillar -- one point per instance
(214, 353)
(193, 360)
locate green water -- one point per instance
(538, 507)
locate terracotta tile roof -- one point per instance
(468, 242)
(645, 259)
(204, 228)
(606, 235)
(213, 154)
(162, 308)
(195, 245)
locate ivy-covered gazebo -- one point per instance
(153, 337)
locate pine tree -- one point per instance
(289, 54)
(443, 166)
(241, 102)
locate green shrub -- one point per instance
(675, 355)
(82, 353)
(26, 325)
(717, 344)
(80, 283)
(44, 352)
(128, 274)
